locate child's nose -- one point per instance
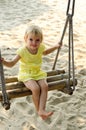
(34, 42)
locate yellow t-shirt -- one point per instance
(30, 65)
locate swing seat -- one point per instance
(57, 80)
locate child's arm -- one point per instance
(50, 50)
(12, 62)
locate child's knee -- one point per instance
(45, 87)
(36, 89)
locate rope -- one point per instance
(68, 8)
(69, 13)
(5, 103)
(71, 51)
(65, 27)
(60, 43)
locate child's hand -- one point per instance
(1, 60)
(59, 44)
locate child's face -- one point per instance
(32, 41)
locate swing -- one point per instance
(57, 79)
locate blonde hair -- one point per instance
(35, 30)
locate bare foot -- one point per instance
(44, 115)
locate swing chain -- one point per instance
(5, 103)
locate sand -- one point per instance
(50, 15)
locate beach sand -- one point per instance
(50, 15)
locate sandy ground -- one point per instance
(50, 15)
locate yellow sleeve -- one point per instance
(20, 51)
(42, 48)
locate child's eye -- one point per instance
(31, 39)
(37, 40)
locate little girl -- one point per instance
(30, 72)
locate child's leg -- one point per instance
(43, 98)
(35, 88)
